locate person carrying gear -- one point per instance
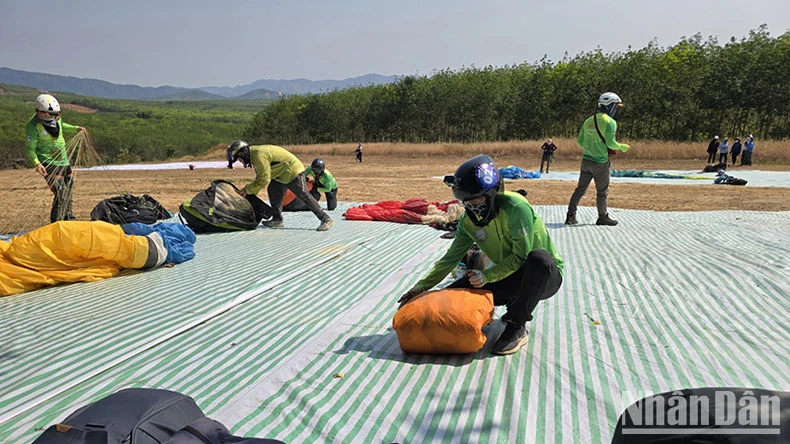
(276, 169)
(526, 266)
(597, 139)
(358, 151)
(324, 181)
(46, 149)
(548, 148)
(713, 148)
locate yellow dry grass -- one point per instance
(383, 177)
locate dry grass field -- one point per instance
(768, 152)
(402, 171)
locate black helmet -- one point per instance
(318, 166)
(477, 177)
(239, 150)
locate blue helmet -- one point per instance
(478, 177)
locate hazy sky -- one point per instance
(212, 43)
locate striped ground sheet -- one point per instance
(257, 327)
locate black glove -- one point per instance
(409, 295)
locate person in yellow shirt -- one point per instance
(276, 169)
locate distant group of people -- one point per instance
(723, 149)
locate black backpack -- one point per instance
(714, 168)
(127, 209)
(208, 431)
(130, 416)
(142, 416)
(220, 208)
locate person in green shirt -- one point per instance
(46, 149)
(526, 266)
(276, 169)
(324, 181)
(597, 140)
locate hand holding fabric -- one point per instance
(476, 278)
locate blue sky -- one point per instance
(210, 43)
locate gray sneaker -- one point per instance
(571, 219)
(325, 225)
(274, 223)
(511, 340)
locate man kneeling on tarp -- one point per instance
(526, 266)
(324, 181)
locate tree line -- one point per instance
(689, 91)
(129, 130)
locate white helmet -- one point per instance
(608, 98)
(609, 102)
(47, 103)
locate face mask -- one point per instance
(480, 210)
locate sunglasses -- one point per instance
(50, 113)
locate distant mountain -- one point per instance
(85, 87)
(190, 95)
(299, 86)
(258, 94)
(100, 88)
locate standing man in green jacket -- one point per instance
(597, 139)
(276, 169)
(324, 181)
(526, 266)
(46, 149)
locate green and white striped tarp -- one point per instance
(256, 327)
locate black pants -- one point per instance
(734, 158)
(722, 157)
(298, 186)
(746, 159)
(331, 200)
(547, 159)
(359, 156)
(536, 280)
(711, 156)
(61, 183)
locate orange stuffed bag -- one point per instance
(444, 321)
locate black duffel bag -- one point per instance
(130, 416)
(127, 209)
(142, 416)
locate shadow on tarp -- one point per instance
(385, 346)
(563, 225)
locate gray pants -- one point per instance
(61, 183)
(547, 160)
(592, 171)
(298, 186)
